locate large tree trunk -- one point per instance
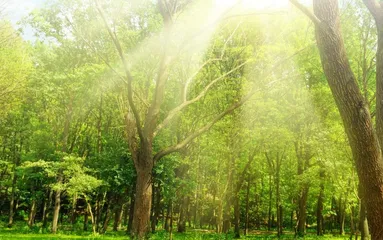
(353, 110)
(143, 199)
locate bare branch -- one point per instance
(229, 110)
(307, 12)
(177, 109)
(127, 72)
(205, 128)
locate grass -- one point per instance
(20, 231)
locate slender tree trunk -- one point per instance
(247, 207)
(92, 218)
(47, 207)
(12, 201)
(352, 222)
(118, 214)
(219, 219)
(86, 220)
(269, 223)
(236, 217)
(363, 223)
(278, 195)
(56, 210)
(131, 209)
(181, 226)
(73, 213)
(168, 216)
(171, 221)
(107, 219)
(320, 210)
(32, 213)
(157, 207)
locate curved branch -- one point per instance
(203, 129)
(129, 76)
(186, 103)
(307, 12)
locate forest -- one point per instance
(192, 119)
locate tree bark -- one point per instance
(12, 201)
(236, 217)
(320, 206)
(352, 107)
(32, 213)
(181, 225)
(247, 207)
(143, 199)
(157, 207)
(302, 206)
(354, 112)
(56, 210)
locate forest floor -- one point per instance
(21, 231)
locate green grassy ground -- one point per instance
(20, 231)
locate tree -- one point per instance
(141, 146)
(356, 117)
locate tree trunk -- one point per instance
(47, 206)
(131, 210)
(278, 195)
(92, 218)
(236, 217)
(106, 220)
(56, 210)
(86, 217)
(143, 200)
(12, 201)
(157, 207)
(320, 210)
(168, 216)
(32, 213)
(219, 219)
(269, 223)
(73, 213)
(118, 214)
(181, 226)
(363, 223)
(353, 110)
(247, 207)
(302, 201)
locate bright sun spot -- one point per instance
(253, 4)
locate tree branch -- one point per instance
(375, 9)
(203, 129)
(186, 103)
(229, 110)
(127, 72)
(307, 12)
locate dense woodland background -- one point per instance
(245, 134)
